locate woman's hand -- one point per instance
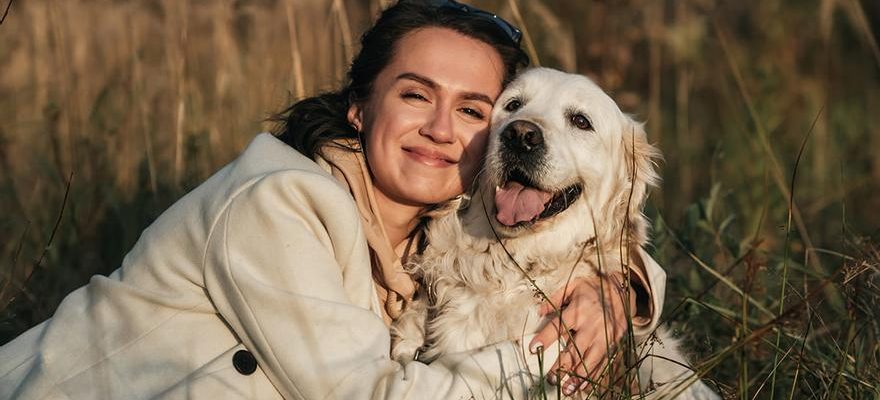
(581, 306)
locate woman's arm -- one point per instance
(649, 281)
(592, 325)
(288, 268)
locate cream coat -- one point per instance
(267, 255)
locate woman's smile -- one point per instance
(429, 157)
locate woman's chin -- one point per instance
(428, 196)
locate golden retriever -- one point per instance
(565, 176)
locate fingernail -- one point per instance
(536, 347)
(569, 388)
(551, 377)
(584, 385)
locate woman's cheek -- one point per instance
(475, 151)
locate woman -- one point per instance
(260, 283)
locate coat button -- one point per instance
(244, 362)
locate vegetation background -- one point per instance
(766, 111)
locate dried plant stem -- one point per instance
(5, 13)
(654, 28)
(527, 38)
(296, 57)
(177, 64)
(345, 29)
(768, 149)
(800, 357)
(141, 107)
(63, 143)
(10, 281)
(861, 21)
(743, 353)
(785, 250)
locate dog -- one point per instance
(560, 196)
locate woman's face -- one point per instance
(426, 121)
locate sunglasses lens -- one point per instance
(512, 32)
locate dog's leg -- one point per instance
(665, 373)
(408, 332)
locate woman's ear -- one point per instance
(355, 116)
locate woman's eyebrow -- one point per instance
(478, 97)
(424, 80)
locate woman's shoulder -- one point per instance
(267, 168)
(266, 154)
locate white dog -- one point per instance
(565, 176)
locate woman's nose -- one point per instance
(439, 127)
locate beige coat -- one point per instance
(266, 261)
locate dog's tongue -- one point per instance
(517, 203)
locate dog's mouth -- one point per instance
(520, 202)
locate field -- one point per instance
(767, 113)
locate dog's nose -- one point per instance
(522, 135)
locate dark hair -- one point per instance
(311, 122)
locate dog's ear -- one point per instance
(641, 163)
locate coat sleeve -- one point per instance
(287, 267)
(649, 280)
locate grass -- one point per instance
(766, 220)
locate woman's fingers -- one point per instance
(592, 320)
(570, 357)
(571, 385)
(547, 335)
(570, 379)
(581, 367)
(585, 359)
(560, 370)
(593, 365)
(550, 333)
(558, 299)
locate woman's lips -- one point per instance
(429, 157)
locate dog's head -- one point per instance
(562, 158)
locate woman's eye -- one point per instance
(581, 122)
(513, 105)
(413, 95)
(473, 113)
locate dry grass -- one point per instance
(141, 100)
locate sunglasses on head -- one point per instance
(512, 32)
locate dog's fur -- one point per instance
(476, 293)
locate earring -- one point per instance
(360, 140)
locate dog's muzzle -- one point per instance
(522, 147)
(523, 137)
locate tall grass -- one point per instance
(135, 102)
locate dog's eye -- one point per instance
(581, 122)
(513, 105)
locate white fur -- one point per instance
(475, 294)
